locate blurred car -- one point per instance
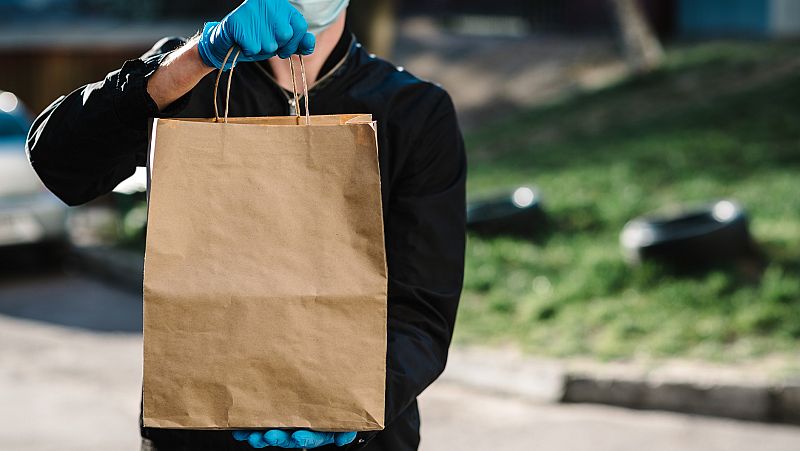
(29, 213)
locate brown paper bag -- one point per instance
(265, 275)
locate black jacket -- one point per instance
(87, 142)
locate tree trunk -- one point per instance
(373, 22)
(642, 49)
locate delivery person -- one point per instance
(87, 142)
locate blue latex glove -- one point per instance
(261, 28)
(298, 439)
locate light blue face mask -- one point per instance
(319, 14)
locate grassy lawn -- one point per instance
(721, 120)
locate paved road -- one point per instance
(458, 419)
(67, 382)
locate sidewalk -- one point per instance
(69, 389)
(767, 392)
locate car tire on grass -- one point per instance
(714, 234)
(517, 213)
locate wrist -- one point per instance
(193, 59)
(178, 74)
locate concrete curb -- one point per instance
(691, 388)
(753, 403)
(685, 387)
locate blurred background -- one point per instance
(633, 263)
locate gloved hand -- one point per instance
(261, 28)
(298, 439)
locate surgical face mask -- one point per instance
(319, 14)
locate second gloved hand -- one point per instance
(261, 28)
(298, 439)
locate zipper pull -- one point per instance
(292, 107)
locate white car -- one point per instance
(29, 213)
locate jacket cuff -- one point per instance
(132, 102)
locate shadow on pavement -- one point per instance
(36, 289)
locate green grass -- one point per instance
(720, 120)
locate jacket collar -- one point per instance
(334, 66)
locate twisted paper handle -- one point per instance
(230, 78)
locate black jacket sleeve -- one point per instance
(87, 142)
(425, 238)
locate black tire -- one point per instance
(516, 213)
(714, 234)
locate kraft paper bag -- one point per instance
(265, 275)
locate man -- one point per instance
(84, 144)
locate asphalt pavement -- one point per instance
(70, 372)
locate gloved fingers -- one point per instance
(307, 44)
(299, 439)
(283, 31)
(256, 440)
(312, 439)
(343, 438)
(277, 437)
(240, 436)
(250, 46)
(299, 27)
(268, 47)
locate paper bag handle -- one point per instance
(230, 77)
